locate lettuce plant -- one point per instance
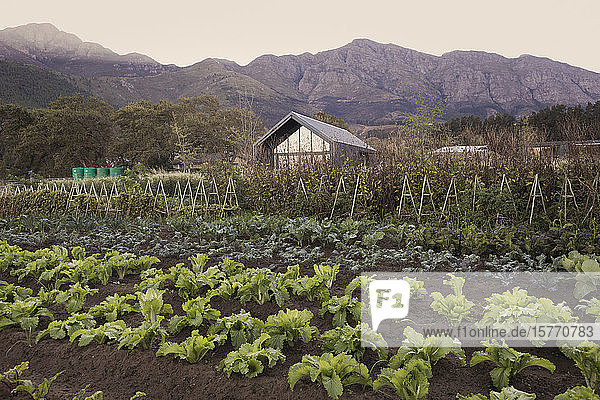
(113, 307)
(454, 307)
(587, 359)
(410, 382)
(61, 329)
(74, 297)
(197, 310)
(192, 349)
(340, 307)
(509, 362)
(240, 327)
(507, 393)
(289, 326)
(39, 391)
(110, 331)
(152, 305)
(430, 349)
(251, 359)
(578, 393)
(350, 340)
(333, 372)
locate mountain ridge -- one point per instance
(363, 81)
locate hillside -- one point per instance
(364, 82)
(33, 86)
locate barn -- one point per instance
(298, 139)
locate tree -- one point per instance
(331, 119)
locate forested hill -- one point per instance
(32, 86)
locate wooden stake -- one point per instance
(426, 193)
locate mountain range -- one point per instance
(363, 82)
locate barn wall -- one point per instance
(301, 146)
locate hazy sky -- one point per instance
(184, 32)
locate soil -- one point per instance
(120, 373)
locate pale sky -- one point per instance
(184, 32)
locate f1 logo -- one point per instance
(388, 300)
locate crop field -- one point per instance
(247, 302)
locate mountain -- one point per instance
(363, 82)
(45, 45)
(32, 86)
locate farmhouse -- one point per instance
(300, 139)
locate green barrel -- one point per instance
(101, 172)
(116, 171)
(89, 172)
(77, 173)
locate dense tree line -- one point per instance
(85, 131)
(558, 122)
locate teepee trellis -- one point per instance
(341, 187)
(593, 198)
(567, 193)
(405, 195)
(505, 186)
(451, 193)
(426, 192)
(230, 200)
(536, 192)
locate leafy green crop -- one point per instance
(24, 313)
(507, 393)
(11, 377)
(430, 349)
(251, 359)
(152, 305)
(197, 310)
(61, 329)
(333, 372)
(350, 340)
(192, 349)
(110, 331)
(509, 362)
(113, 307)
(74, 297)
(9, 292)
(144, 335)
(578, 393)
(587, 359)
(240, 327)
(454, 307)
(340, 307)
(289, 327)
(37, 392)
(409, 382)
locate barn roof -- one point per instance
(333, 133)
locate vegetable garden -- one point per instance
(140, 295)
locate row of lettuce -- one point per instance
(257, 344)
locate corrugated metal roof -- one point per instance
(335, 134)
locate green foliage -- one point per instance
(197, 310)
(409, 382)
(10, 292)
(351, 341)
(143, 336)
(454, 307)
(74, 297)
(333, 372)
(152, 305)
(251, 359)
(430, 349)
(61, 329)
(578, 393)
(289, 326)
(340, 307)
(509, 362)
(193, 348)
(39, 391)
(507, 393)
(240, 327)
(12, 377)
(587, 359)
(24, 313)
(110, 331)
(113, 307)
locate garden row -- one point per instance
(192, 325)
